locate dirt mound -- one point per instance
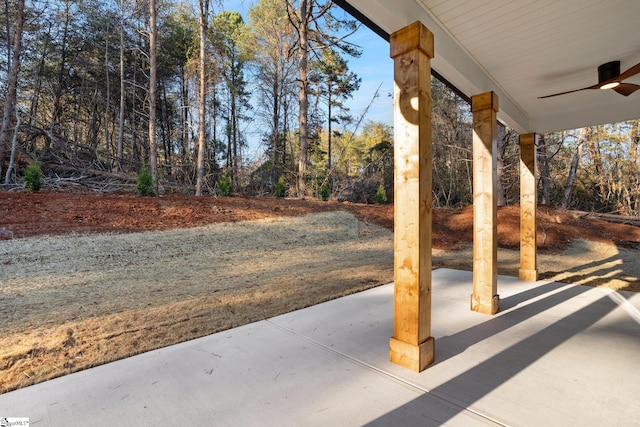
(23, 215)
(558, 229)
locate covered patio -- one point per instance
(528, 65)
(500, 350)
(554, 355)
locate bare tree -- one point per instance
(583, 138)
(634, 201)
(107, 109)
(274, 39)
(12, 78)
(312, 38)
(56, 116)
(153, 36)
(122, 91)
(303, 98)
(234, 50)
(501, 192)
(204, 19)
(12, 155)
(544, 170)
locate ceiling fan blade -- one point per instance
(570, 91)
(626, 89)
(630, 72)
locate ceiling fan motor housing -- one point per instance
(608, 71)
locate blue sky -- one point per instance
(374, 67)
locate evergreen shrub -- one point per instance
(224, 185)
(325, 193)
(145, 183)
(381, 195)
(281, 188)
(33, 179)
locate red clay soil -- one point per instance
(24, 214)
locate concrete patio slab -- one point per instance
(555, 354)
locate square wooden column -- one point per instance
(528, 205)
(485, 299)
(412, 345)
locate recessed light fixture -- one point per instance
(609, 71)
(610, 85)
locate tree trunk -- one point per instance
(12, 80)
(229, 143)
(76, 128)
(635, 143)
(214, 126)
(600, 179)
(544, 170)
(57, 102)
(184, 118)
(134, 121)
(329, 89)
(14, 142)
(275, 93)
(165, 127)
(153, 153)
(501, 145)
(107, 109)
(122, 92)
(575, 163)
(35, 98)
(204, 11)
(234, 137)
(285, 136)
(303, 96)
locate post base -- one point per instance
(414, 357)
(528, 275)
(487, 307)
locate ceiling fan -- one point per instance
(609, 77)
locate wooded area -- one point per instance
(96, 90)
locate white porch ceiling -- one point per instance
(523, 49)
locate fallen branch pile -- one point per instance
(610, 217)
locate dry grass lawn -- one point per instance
(74, 301)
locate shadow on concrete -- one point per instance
(480, 380)
(451, 345)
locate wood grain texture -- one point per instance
(484, 298)
(528, 205)
(412, 199)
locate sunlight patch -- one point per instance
(631, 310)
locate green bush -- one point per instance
(281, 188)
(325, 193)
(224, 185)
(145, 183)
(33, 180)
(381, 195)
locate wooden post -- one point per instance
(485, 299)
(412, 345)
(528, 205)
